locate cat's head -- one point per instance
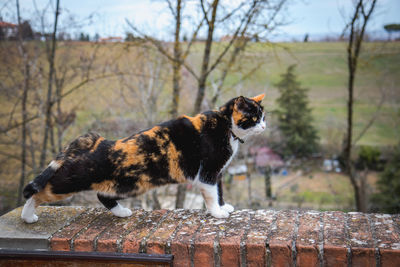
(248, 116)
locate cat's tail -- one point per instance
(41, 180)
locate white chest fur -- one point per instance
(235, 146)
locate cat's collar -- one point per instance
(235, 137)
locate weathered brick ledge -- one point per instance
(247, 238)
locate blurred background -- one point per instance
(330, 71)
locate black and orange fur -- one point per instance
(171, 152)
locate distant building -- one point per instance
(226, 38)
(265, 156)
(115, 39)
(8, 30)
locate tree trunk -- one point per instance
(23, 141)
(51, 58)
(206, 60)
(26, 73)
(249, 192)
(177, 63)
(156, 202)
(180, 196)
(267, 177)
(357, 26)
(176, 80)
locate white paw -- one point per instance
(219, 213)
(228, 207)
(120, 211)
(32, 219)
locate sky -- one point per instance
(316, 17)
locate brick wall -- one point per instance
(247, 238)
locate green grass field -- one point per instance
(322, 68)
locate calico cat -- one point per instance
(196, 148)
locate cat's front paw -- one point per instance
(31, 219)
(228, 207)
(120, 211)
(219, 213)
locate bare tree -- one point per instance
(249, 19)
(141, 88)
(177, 62)
(51, 52)
(26, 86)
(356, 28)
(25, 82)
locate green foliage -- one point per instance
(368, 157)
(26, 30)
(392, 27)
(129, 37)
(84, 37)
(294, 117)
(388, 198)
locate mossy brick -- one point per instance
(307, 240)
(142, 229)
(281, 239)
(87, 239)
(158, 241)
(361, 240)
(182, 239)
(387, 234)
(16, 234)
(261, 226)
(62, 240)
(204, 241)
(111, 240)
(231, 233)
(195, 238)
(335, 238)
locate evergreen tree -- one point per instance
(26, 30)
(294, 117)
(388, 198)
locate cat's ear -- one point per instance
(240, 102)
(258, 98)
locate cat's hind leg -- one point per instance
(46, 195)
(28, 212)
(112, 204)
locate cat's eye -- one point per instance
(254, 118)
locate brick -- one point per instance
(307, 240)
(361, 241)
(231, 233)
(260, 227)
(111, 240)
(335, 239)
(246, 238)
(282, 237)
(181, 241)
(387, 238)
(86, 241)
(385, 231)
(141, 230)
(157, 242)
(390, 257)
(61, 241)
(363, 257)
(204, 241)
